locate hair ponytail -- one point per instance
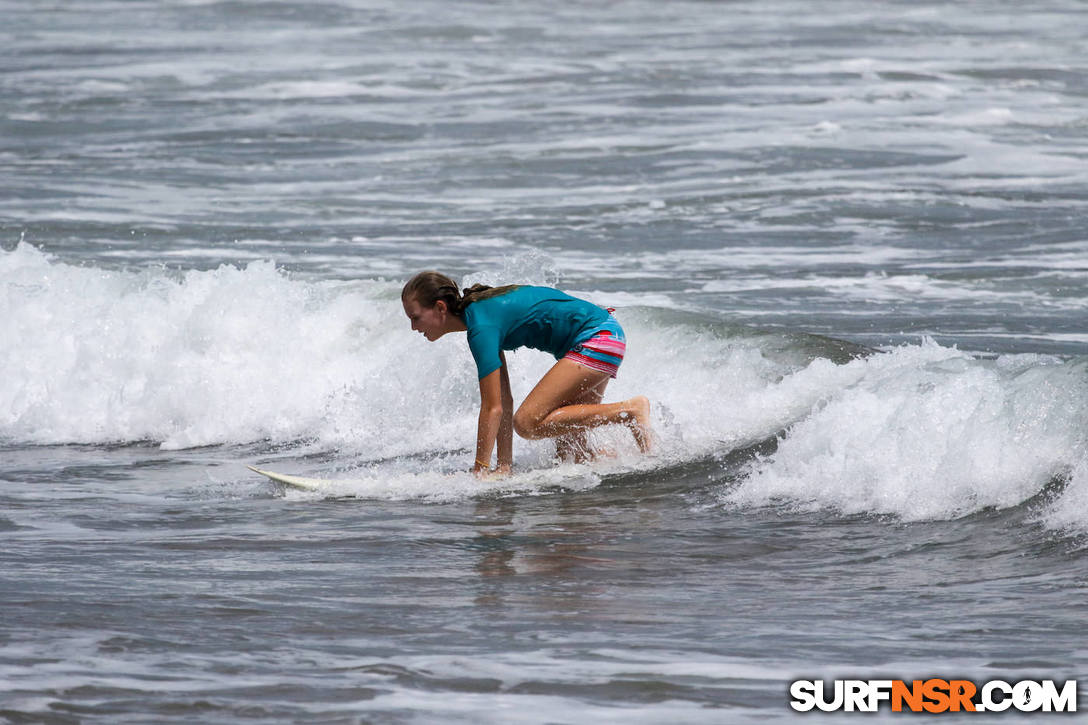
(478, 292)
(427, 288)
(474, 293)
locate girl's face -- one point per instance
(431, 321)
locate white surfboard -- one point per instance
(306, 484)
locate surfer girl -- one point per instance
(587, 342)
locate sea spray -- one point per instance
(238, 355)
(929, 432)
(248, 355)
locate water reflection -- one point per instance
(553, 552)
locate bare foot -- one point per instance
(638, 421)
(605, 453)
(572, 448)
(585, 455)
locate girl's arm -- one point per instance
(491, 413)
(506, 424)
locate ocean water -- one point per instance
(848, 244)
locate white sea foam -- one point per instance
(234, 356)
(1070, 510)
(903, 289)
(240, 355)
(928, 432)
(208, 357)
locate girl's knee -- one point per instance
(527, 425)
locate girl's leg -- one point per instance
(545, 412)
(575, 446)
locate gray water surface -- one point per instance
(207, 210)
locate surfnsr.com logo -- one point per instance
(933, 696)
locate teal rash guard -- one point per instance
(538, 317)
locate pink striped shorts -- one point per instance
(604, 351)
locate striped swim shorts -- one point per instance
(603, 350)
